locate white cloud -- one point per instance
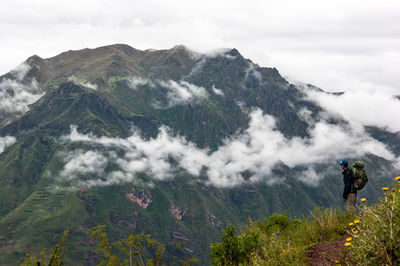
(82, 163)
(20, 71)
(15, 97)
(90, 85)
(310, 176)
(86, 168)
(182, 92)
(217, 91)
(5, 142)
(84, 84)
(252, 71)
(258, 150)
(136, 81)
(366, 108)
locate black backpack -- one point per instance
(358, 174)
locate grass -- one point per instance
(373, 236)
(375, 233)
(282, 240)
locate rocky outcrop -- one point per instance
(212, 221)
(141, 197)
(177, 212)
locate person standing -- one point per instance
(349, 192)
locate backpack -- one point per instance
(359, 176)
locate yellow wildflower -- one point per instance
(347, 244)
(398, 178)
(336, 261)
(363, 199)
(356, 221)
(355, 231)
(385, 188)
(348, 239)
(351, 223)
(399, 189)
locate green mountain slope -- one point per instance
(110, 91)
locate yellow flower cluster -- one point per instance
(363, 199)
(385, 188)
(348, 243)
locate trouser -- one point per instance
(351, 202)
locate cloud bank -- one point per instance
(248, 157)
(181, 92)
(362, 107)
(16, 96)
(5, 142)
(83, 84)
(136, 81)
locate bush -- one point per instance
(235, 249)
(275, 223)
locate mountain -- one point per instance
(170, 142)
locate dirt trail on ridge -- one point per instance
(325, 253)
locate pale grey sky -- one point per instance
(334, 44)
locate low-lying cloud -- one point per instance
(182, 92)
(135, 81)
(16, 96)
(248, 157)
(6, 141)
(217, 91)
(83, 84)
(366, 108)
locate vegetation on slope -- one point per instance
(278, 240)
(136, 249)
(375, 234)
(372, 236)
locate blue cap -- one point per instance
(343, 162)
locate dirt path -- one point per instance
(325, 253)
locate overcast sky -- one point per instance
(336, 45)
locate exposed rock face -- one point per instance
(141, 197)
(212, 221)
(179, 235)
(177, 212)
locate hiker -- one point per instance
(349, 192)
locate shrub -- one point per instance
(234, 249)
(275, 223)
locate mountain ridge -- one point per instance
(120, 99)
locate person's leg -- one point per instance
(351, 202)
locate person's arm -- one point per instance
(347, 184)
